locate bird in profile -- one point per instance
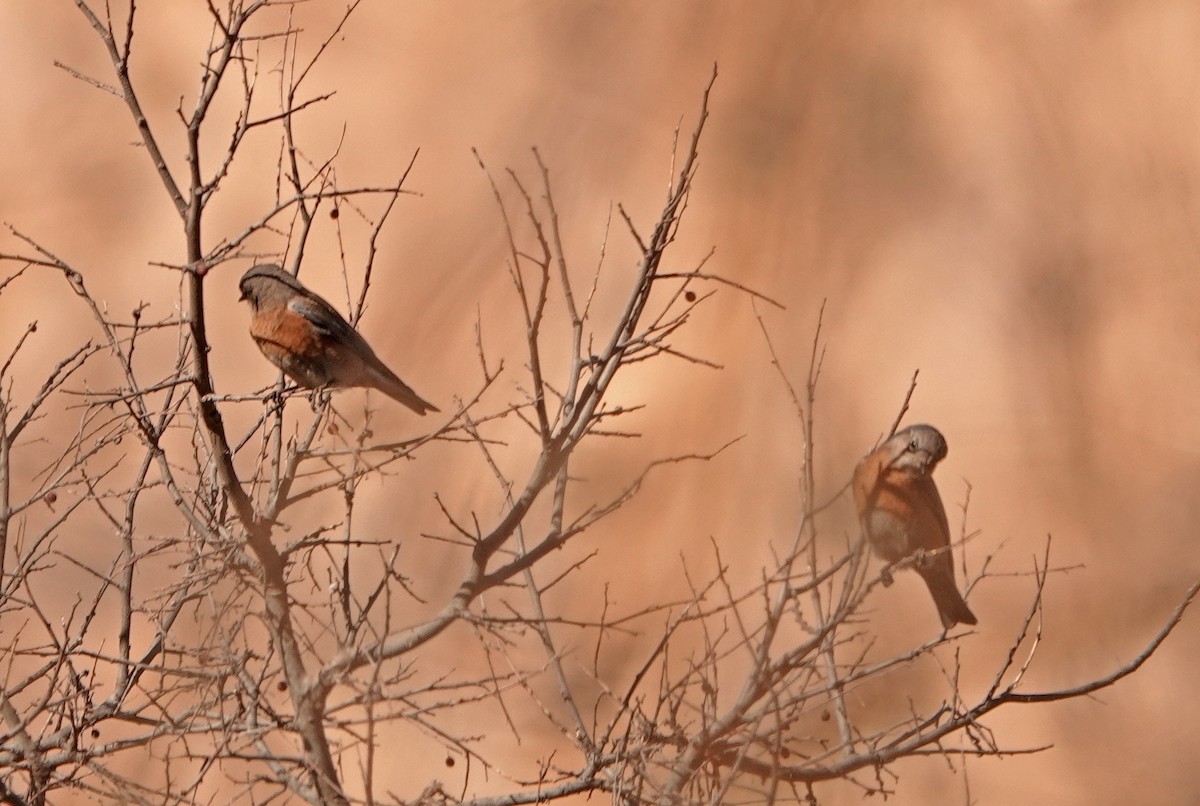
(304, 336)
(902, 514)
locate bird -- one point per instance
(902, 514)
(303, 335)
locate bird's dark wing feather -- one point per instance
(325, 319)
(931, 499)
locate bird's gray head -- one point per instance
(918, 448)
(265, 281)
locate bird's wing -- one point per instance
(933, 513)
(325, 319)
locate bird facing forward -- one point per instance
(308, 339)
(902, 514)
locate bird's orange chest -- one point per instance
(900, 507)
(290, 342)
(896, 492)
(877, 486)
(281, 330)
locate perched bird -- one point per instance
(305, 337)
(902, 514)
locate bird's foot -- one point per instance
(319, 398)
(920, 559)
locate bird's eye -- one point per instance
(912, 446)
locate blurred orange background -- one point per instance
(1001, 194)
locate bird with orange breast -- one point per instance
(902, 514)
(308, 339)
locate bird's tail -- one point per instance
(952, 608)
(386, 382)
